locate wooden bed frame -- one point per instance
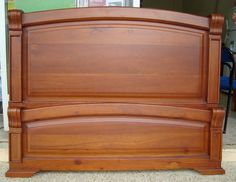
(114, 89)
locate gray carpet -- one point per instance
(136, 176)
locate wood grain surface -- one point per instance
(114, 89)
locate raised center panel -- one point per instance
(115, 135)
(114, 60)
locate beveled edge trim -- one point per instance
(114, 13)
(117, 109)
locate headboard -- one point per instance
(75, 70)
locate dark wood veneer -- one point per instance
(114, 89)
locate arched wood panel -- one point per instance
(115, 136)
(115, 109)
(114, 59)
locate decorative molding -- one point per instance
(216, 24)
(217, 118)
(15, 20)
(14, 115)
(15, 57)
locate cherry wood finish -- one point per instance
(114, 89)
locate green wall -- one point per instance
(40, 5)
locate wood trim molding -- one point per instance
(216, 24)
(14, 115)
(15, 43)
(114, 109)
(217, 118)
(15, 20)
(115, 13)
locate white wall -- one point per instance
(3, 60)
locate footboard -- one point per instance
(114, 89)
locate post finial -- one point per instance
(216, 24)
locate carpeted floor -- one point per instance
(136, 176)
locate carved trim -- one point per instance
(15, 20)
(14, 115)
(216, 24)
(217, 118)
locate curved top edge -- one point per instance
(216, 24)
(114, 13)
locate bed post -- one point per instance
(15, 87)
(216, 24)
(215, 147)
(15, 44)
